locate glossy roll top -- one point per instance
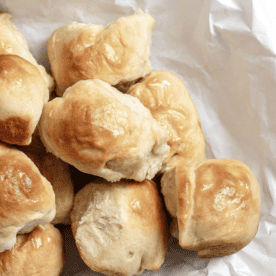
(216, 206)
(116, 54)
(169, 102)
(26, 197)
(40, 252)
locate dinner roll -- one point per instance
(26, 197)
(103, 132)
(57, 173)
(12, 42)
(169, 102)
(39, 253)
(120, 228)
(215, 206)
(116, 54)
(23, 94)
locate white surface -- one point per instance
(224, 51)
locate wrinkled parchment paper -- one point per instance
(225, 52)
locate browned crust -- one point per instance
(117, 53)
(22, 188)
(22, 80)
(169, 102)
(90, 126)
(15, 130)
(226, 209)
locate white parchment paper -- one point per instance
(225, 52)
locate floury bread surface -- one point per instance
(23, 93)
(39, 253)
(103, 132)
(215, 206)
(27, 198)
(116, 54)
(169, 102)
(12, 42)
(120, 228)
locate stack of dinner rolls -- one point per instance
(120, 121)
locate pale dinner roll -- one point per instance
(215, 206)
(103, 132)
(22, 97)
(12, 42)
(120, 228)
(169, 102)
(39, 253)
(116, 54)
(26, 197)
(57, 173)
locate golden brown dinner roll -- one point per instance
(116, 54)
(103, 132)
(57, 173)
(23, 94)
(120, 228)
(215, 206)
(169, 102)
(12, 42)
(39, 253)
(26, 197)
